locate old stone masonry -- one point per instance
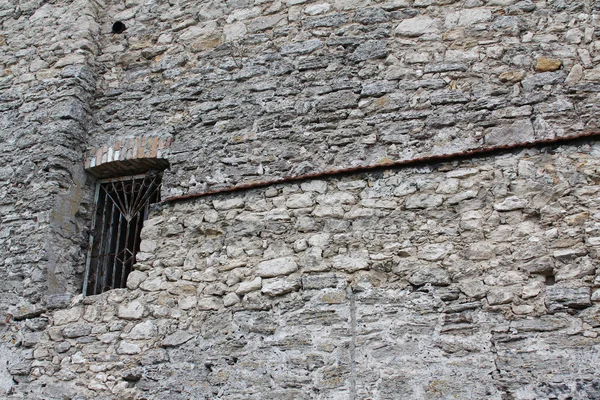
(300, 199)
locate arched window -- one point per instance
(130, 173)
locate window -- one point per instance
(121, 208)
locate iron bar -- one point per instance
(117, 241)
(107, 249)
(98, 271)
(429, 159)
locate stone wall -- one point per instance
(46, 87)
(469, 279)
(258, 90)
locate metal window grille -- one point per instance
(121, 208)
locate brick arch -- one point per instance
(128, 156)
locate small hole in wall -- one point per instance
(550, 280)
(118, 27)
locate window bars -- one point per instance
(121, 207)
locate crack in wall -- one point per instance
(352, 344)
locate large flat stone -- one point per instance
(276, 267)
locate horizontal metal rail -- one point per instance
(478, 152)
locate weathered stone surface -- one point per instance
(251, 92)
(544, 324)
(234, 31)
(276, 267)
(433, 68)
(63, 317)
(187, 303)
(337, 101)
(434, 276)
(543, 265)
(63, 347)
(153, 284)
(560, 298)
(301, 200)
(154, 356)
(23, 311)
(423, 201)
(417, 26)
(328, 21)
(474, 288)
(301, 47)
(512, 76)
(228, 204)
(77, 330)
(520, 131)
(566, 254)
(352, 262)
(58, 300)
(182, 288)
(144, 330)
(318, 8)
(279, 286)
(499, 296)
(369, 50)
(177, 338)
(208, 304)
(30, 339)
(371, 15)
(262, 23)
(319, 281)
(231, 299)
(314, 186)
(378, 88)
(541, 79)
(545, 64)
(135, 278)
(249, 286)
(480, 251)
(133, 310)
(592, 74)
(575, 75)
(434, 251)
(510, 204)
(128, 348)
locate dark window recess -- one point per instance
(121, 208)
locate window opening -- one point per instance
(121, 208)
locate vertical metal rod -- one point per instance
(125, 250)
(125, 201)
(135, 220)
(134, 245)
(130, 212)
(109, 246)
(122, 195)
(98, 259)
(106, 251)
(117, 250)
